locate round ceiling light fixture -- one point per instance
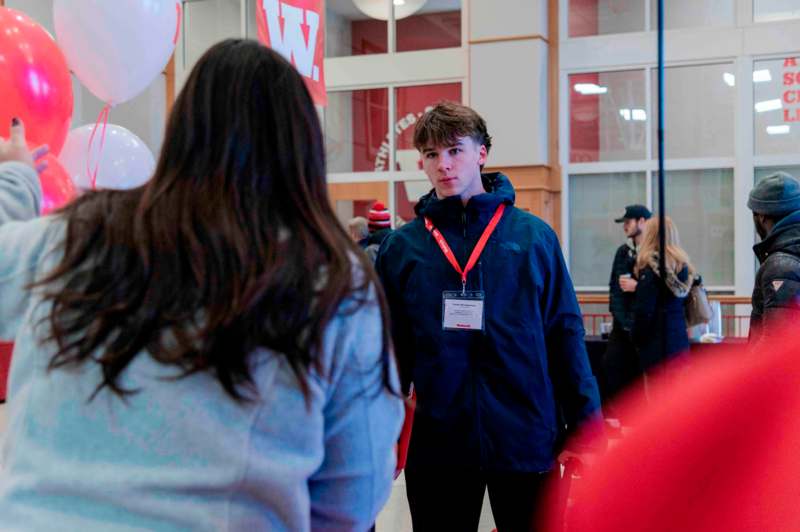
(379, 9)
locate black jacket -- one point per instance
(487, 399)
(373, 242)
(621, 303)
(776, 295)
(659, 324)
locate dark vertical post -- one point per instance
(661, 224)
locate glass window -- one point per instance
(763, 172)
(410, 103)
(601, 17)
(699, 108)
(694, 13)
(356, 130)
(594, 201)
(428, 25)
(206, 23)
(776, 113)
(700, 203)
(608, 116)
(772, 10)
(407, 194)
(356, 27)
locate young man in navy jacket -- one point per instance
(487, 328)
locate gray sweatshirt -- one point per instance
(181, 454)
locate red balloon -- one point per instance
(57, 186)
(35, 83)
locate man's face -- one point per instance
(455, 170)
(632, 227)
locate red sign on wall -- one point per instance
(791, 90)
(295, 29)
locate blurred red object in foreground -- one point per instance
(720, 450)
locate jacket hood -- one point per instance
(679, 283)
(785, 236)
(498, 190)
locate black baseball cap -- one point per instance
(634, 212)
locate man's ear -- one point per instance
(483, 155)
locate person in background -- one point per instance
(380, 225)
(357, 227)
(659, 325)
(775, 202)
(208, 351)
(622, 366)
(488, 329)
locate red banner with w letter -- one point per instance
(295, 29)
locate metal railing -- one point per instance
(733, 324)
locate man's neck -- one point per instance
(637, 240)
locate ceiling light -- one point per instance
(590, 88)
(379, 9)
(639, 114)
(625, 113)
(768, 105)
(760, 76)
(729, 78)
(778, 130)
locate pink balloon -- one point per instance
(57, 187)
(35, 84)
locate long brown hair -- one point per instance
(676, 257)
(232, 246)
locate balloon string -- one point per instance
(178, 24)
(103, 116)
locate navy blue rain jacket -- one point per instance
(487, 400)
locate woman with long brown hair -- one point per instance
(659, 327)
(208, 351)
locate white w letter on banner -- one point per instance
(291, 43)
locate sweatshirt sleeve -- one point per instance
(20, 192)
(21, 242)
(362, 423)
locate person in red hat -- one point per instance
(380, 225)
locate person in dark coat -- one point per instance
(621, 362)
(775, 203)
(380, 225)
(495, 354)
(659, 324)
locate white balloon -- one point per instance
(116, 47)
(125, 161)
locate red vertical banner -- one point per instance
(296, 30)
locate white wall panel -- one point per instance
(504, 18)
(508, 87)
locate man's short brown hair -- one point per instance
(446, 123)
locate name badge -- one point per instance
(462, 311)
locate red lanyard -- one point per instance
(476, 253)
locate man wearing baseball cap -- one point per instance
(621, 361)
(775, 202)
